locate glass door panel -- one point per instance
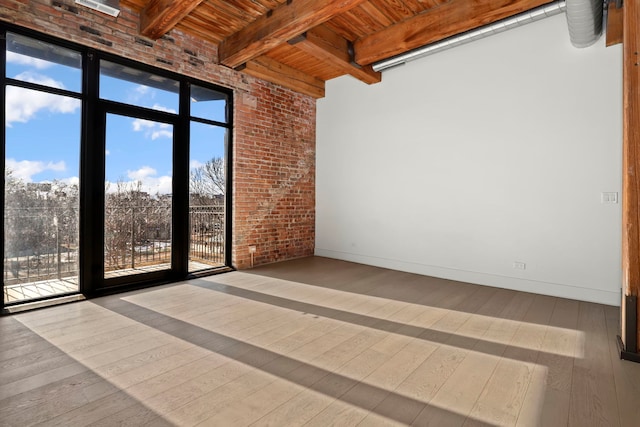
(41, 195)
(138, 201)
(207, 197)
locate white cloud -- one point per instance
(142, 173)
(149, 182)
(152, 186)
(31, 77)
(160, 185)
(141, 124)
(25, 169)
(195, 164)
(74, 180)
(23, 105)
(142, 89)
(139, 93)
(17, 58)
(161, 134)
(154, 130)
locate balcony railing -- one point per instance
(43, 245)
(137, 236)
(207, 235)
(40, 244)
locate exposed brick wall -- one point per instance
(274, 128)
(275, 176)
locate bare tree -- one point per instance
(208, 182)
(134, 222)
(41, 225)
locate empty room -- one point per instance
(314, 213)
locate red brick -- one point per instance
(273, 138)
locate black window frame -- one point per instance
(92, 156)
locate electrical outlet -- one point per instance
(519, 265)
(252, 249)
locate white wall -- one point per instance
(461, 163)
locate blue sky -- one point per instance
(43, 130)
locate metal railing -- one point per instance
(43, 245)
(207, 234)
(40, 244)
(136, 236)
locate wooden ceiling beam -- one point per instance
(276, 72)
(159, 16)
(436, 24)
(330, 47)
(278, 26)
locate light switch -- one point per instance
(609, 197)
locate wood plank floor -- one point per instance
(317, 342)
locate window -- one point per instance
(34, 61)
(208, 177)
(41, 156)
(208, 184)
(133, 156)
(132, 86)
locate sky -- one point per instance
(43, 130)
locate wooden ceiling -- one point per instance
(301, 44)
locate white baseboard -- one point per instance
(487, 279)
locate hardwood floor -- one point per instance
(317, 342)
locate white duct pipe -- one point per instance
(479, 33)
(584, 18)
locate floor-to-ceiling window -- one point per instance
(115, 173)
(207, 178)
(42, 125)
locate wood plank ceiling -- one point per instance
(301, 44)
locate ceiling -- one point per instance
(301, 44)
